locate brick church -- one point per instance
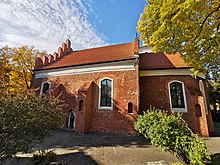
(105, 88)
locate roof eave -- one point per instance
(91, 63)
(189, 67)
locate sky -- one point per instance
(45, 24)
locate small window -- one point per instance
(81, 105)
(130, 107)
(177, 96)
(198, 110)
(106, 92)
(44, 87)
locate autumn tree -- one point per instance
(190, 27)
(16, 65)
(25, 117)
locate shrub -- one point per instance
(171, 133)
(43, 158)
(25, 119)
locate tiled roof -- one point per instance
(94, 55)
(66, 57)
(161, 61)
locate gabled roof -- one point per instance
(161, 61)
(88, 56)
(147, 60)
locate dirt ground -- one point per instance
(103, 149)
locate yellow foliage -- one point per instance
(189, 27)
(16, 68)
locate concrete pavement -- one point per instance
(105, 149)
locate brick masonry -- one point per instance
(154, 92)
(86, 87)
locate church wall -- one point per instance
(154, 92)
(125, 90)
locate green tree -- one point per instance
(170, 133)
(190, 27)
(24, 120)
(17, 64)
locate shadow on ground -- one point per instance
(68, 140)
(79, 158)
(91, 148)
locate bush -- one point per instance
(43, 158)
(171, 133)
(25, 119)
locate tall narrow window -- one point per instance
(106, 93)
(177, 96)
(81, 105)
(130, 107)
(44, 87)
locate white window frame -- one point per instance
(41, 90)
(112, 88)
(183, 110)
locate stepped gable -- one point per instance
(66, 57)
(161, 61)
(50, 59)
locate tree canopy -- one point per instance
(25, 117)
(190, 27)
(16, 65)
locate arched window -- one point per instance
(130, 107)
(81, 105)
(106, 92)
(44, 87)
(177, 96)
(71, 120)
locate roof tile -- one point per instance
(94, 55)
(161, 61)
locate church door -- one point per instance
(71, 120)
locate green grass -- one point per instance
(216, 125)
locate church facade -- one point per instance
(105, 88)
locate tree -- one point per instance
(190, 27)
(170, 133)
(17, 65)
(24, 120)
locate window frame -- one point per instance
(42, 85)
(112, 88)
(183, 110)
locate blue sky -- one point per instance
(87, 23)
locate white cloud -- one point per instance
(47, 23)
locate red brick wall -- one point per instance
(154, 92)
(125, 86)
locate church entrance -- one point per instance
(71, 120)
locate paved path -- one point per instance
(105, 149)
